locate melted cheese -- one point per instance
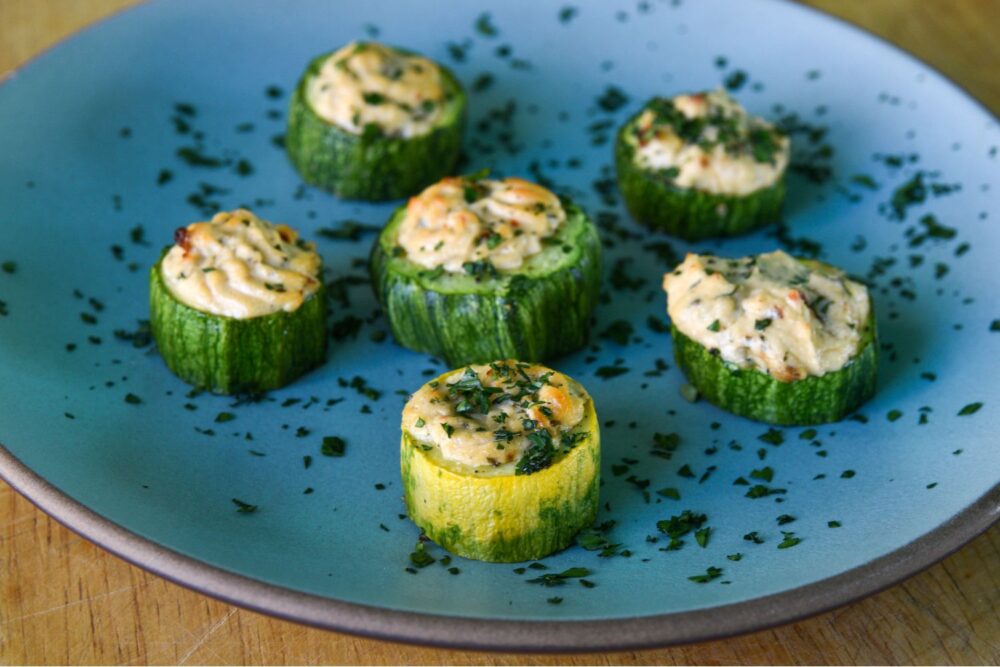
(705, 164)
(523, 399)
(769, 312)
(240, 266)
(458, 220)
(365, 83)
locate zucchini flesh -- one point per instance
(540, 312)
(226, 355)
(687, 213)
(508, 518)
(755, 394)
(373, 168)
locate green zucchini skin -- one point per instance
(378, 168)
(225, 355)
(687, 213)
(530, 316)
(757, 395)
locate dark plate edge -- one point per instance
(503, 635)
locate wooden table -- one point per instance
(63, 600)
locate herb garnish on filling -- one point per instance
(512, 412)
(737, 132)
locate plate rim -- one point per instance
(488, 634)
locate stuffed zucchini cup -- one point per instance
(474, 269)
(373, 122)
(773, 338)
(237, 304)
(501, 462)
(698, 166)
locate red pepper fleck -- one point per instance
(181, 238)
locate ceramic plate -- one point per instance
(162, 114)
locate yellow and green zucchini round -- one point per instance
(505, 516)
(538, 312)
(227, 355)
(370, 165)
(752, 393)
(653, 199)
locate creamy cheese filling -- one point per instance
(367, 84)
(240, 266)
(460, 222)
(708, 142)
(770, 312)
(490, 415)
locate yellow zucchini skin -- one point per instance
(508, 518)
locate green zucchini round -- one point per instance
(752, 393)
(690, 214)
(226, 355)
(539, 312)
(372, 166)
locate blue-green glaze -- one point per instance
(146, 467)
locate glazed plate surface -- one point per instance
(155, 117)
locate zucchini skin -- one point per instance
(225, 355)
(752, 393)
(380, 168)
(504, 519)
(688, 213)
(511, 316)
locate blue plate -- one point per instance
(895, 180)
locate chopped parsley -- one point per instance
(711, 573)
(538, 456)
(348, 230)
(244, 508)
(419, 556)
(772, 437)
(619, 331)
(484, 26)
(970, 409)
(559, 578)
(679, 525)
(608, 372)
(333, 446)
(789, 540)
(665, 444)
(613, 99)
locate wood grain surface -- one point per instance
(63, 600)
